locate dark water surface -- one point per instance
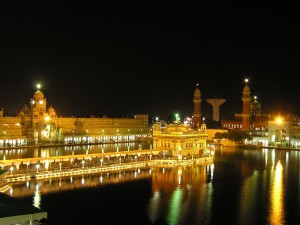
(241, 187)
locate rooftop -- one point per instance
(14, 211)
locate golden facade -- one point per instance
(38, 123)
(180, 139)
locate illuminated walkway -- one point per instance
(14, 177)
(27, 161)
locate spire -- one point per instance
(246, 99)
(197, 107)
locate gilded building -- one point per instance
(179, 139)
(38, 123)
(182, 139)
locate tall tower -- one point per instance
(197, 108)
(255, 107)
(216, 102)
(246, 114)
(38, 103)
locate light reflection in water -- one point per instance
(276, 211)
(154, 206)
(175, 207)
(266, 156)
(273, 157)
(207, 196)
(212, 166)
(69, 150)
(179, 175)
(247, 199)
(37, 197)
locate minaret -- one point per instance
(246, 107)
(197, 108)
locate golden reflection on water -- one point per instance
(276, 215)
(180, 193)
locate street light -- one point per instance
(278, 120)
(11, 170)
(37, 167)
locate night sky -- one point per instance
(119, 59)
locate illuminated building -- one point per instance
(265, 128)
(182, 139)
(251, 118)
(40, 124)
(284, 131)
(179, 139)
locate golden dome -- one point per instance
(177, 128)
(246, 88)
(51, 109)
(38, 95)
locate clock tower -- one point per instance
(38, 103)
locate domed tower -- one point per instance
(246, 98)
(38, 103)
(255, 107)
(51, 112)
(197, 108)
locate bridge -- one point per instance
(41, 167)
(43, 160)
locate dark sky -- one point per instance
(117, 59)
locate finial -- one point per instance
(38, 86)
(246, 80)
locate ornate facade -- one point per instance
(180, 139)
(38, 123)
